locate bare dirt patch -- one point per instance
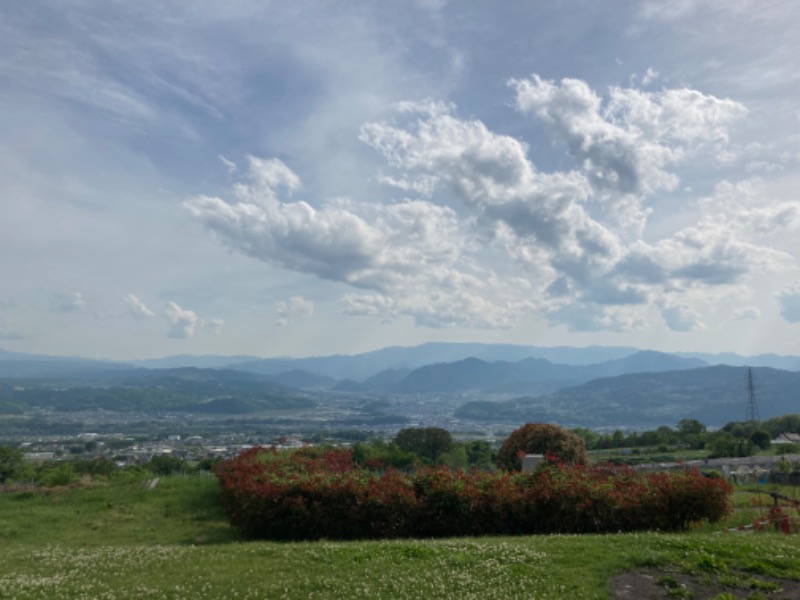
(655, 584)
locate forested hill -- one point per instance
(713, 395)
(141, 390)
(530, 375)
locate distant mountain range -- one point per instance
(187, 389)
(590, 386)
(362, 367)
(713, 395)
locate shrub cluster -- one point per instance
(313, 494)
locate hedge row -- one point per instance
(311, 495)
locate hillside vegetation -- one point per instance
(125, 540)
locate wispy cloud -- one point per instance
(137, 308)
(294, 309)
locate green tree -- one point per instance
(479, 453)
(590, 438)
(726, 444)
(381, 454)
(11, 463)
(96, 467)
(59, 474)
(761, 438)
(690, 427)
(429, 443)
(666, 435)
(455, 458)
(164, 464)
(541, 438)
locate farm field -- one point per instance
(125, 540)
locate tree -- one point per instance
(726, 444)
(429, 443)
(380, 454)
(541, 438)
(164, 464)
(761, 438)
(11, 463)
(479, 453)
(690, 427)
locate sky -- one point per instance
(309, 177)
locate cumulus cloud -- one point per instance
(184, 323)
(789, 302)
(67, 303)
(391, 250)
(294, 309)
(137, 308)
(490, 236)
(587, 316)
(681, 318)
(626, 146)
(449, 299)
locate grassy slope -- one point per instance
(126, 541)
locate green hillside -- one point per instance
(125, 540)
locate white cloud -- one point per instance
(580, 316)
(448, 298)
(650, 76)
(789, 301)
(746, 313)
(574, 236)
(183, 321)
(667, 10)
(230, 166)
(137, 308)
(67, 303)
(626, 147)
(213, 326)
(393, 250)
(681, 318)
(294, 309)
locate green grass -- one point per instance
(127, 541)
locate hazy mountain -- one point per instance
(144, 390)
(644, 361)
(190, 360)
(37, 367)
(303, 380)
(348, 385)
(713, 395)
(776, 361)
(363, 366)
(201, 381)
(467, 374)
(531, 375)
(386, 379)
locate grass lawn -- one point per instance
(124, 540)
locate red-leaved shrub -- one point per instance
(312, 494)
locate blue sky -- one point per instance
(303, 178)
